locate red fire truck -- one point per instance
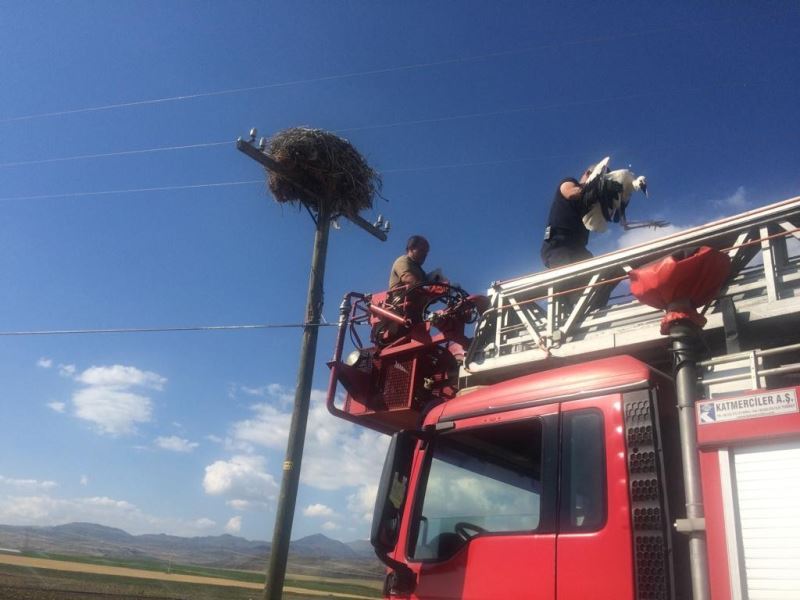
(645, 449)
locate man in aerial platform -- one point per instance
(407, 269)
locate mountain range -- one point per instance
(91, 539)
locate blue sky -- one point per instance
(472, 110)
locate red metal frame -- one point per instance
(718, 571)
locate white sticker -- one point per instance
(762, 404)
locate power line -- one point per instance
(552, 106)
(261, 181)
(164, 329)
(427, 121)
(21, 163)
(135, 190)
(396, 69)
(485, 163)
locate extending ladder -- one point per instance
(548, 318)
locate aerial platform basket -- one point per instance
(411, 362)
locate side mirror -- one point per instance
(389, 504)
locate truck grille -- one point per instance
(648, 517)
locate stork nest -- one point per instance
(320, 165)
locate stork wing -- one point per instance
(599, 168)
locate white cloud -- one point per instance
(27, 484)
(337, 453)
(214, 438)
(48, 510)
(736, 201)
(59, 407)
(84, 480)
(203, 523)
(318, 510)
(66, 370)
(337, 456)
(269, 427)
(112, 411)
(240, 478)
(175, 444)
(242, 505)
(234, 525)
(276, 393)
(330, 526)
(44, 362)
(121, 376)
(362, 501)
(108, 400)
(254, 391)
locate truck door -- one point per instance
(594, 534)
(482, 521)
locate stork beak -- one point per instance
(643, 187)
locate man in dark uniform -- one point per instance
(566, 237)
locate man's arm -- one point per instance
(410, 278)
(570, 190)
(408, 272)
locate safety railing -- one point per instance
(562, 313)
(751, 370)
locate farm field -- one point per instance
(31, 578)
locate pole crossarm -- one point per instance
(560, 313)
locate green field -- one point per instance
(348, 584)
(23, 583)
(29, 583)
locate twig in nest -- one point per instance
(322, 163)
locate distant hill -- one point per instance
(361, 547)
(308, 554)
(320, 546)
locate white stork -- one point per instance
(630, 183)
(613, 190)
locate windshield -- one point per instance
(479, 480)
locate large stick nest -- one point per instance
(324, 164)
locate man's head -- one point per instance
(586, 173)
(417, 248)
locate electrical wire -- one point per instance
(135, 190)
(411, 122)
(42, 161)
(385, 70)
(552, 106)
(325, 323)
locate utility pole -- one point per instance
(287, 499)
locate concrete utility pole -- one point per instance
(287, 499)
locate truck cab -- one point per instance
(545, 486)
